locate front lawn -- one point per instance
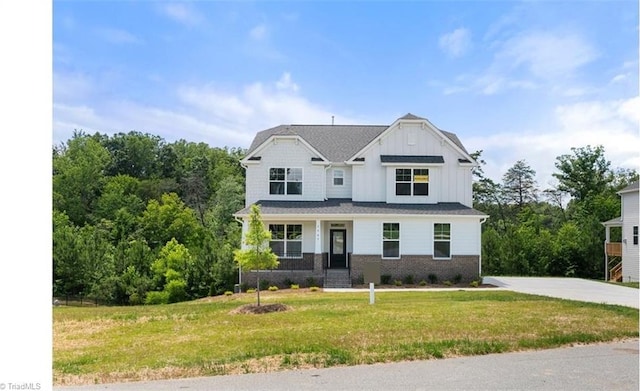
(204, 337)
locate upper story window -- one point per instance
(412, 181)
(635, 234)
(338, 177)
(391, 240)
(441, 240)
(285, 181)
(286, 240)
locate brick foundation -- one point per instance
(419, 266)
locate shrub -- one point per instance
(432, 278)
(288, 282)
(264, 285)
(457, 278)
(314, 289)
(422, 283)
(135, 299)
(156, 297)
(408, 279)
(177, 290)
(311, 282)
(397, 283)
(447, 283)
(385, 279)
(273, 288)
(244, 287)
(228, 293)
(295, 286)
(474, 284)
(251, 290)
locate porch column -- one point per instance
(318, 237)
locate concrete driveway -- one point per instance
(570, 289)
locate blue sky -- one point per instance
(518, 80)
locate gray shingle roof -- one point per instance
(340, 206)
(337, 143)
(633, 186)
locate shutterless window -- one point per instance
(412, 181)
(285, 181)
(442, 240)
(338, 177)
(635, 234)
(391, 240)
(286, 240)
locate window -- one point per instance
(635, 234)
(391, 240)
(285, 181)
(338, 177)
(442, 240)
(286, 240)
(412, 181)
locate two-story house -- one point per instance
(349, 203)
(622, 258)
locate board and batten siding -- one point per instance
(447, 183)
(416, 235)
(285, 154)
(630, 253)
(343, 191)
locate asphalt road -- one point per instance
(610, 366)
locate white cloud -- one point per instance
(71, 86)
(118, 36)
(182, 13)
(455, 43)
(545, 54)
(259, 32)
(612, 124)
(531, 60)
(286, 84)
(204, 114)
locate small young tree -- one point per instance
(257, 255)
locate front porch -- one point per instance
(613, 250)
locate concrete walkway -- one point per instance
(570, 289)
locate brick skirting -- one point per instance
(419, 266)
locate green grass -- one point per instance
(628, 284)
(112, 344)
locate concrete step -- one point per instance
(337, 278)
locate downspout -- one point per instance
(482, 221)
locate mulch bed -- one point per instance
(261, 309)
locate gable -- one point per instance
(415, 140)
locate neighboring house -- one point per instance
(622, 259)
(351, 203)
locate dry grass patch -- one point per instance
(261, 309)
(222, 336)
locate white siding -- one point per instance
(630, 253)
(447, 183)
(416, 235)
(289, 154)
(343, 191)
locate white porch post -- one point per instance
(318, 249)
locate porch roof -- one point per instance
(345, 207)
(617, 222)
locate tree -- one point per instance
(584, 173)
(519, 184)
(257, 255)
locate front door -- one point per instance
(338, 249)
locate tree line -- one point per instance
(555, 231)
(139, 220)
